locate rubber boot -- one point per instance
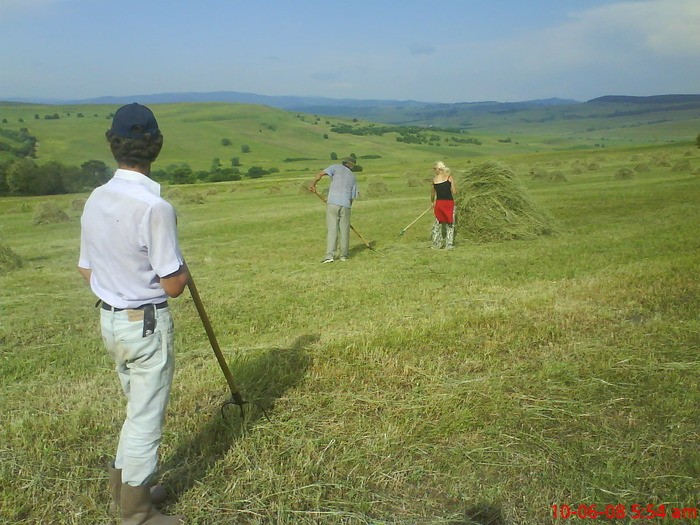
(137, 508)
(158, 493)
(449, 236)
(437, 235)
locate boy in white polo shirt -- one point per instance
(129, 253)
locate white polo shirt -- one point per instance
(129, 239)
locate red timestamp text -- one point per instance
(612, 512)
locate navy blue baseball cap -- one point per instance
(134, 121)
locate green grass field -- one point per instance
(404, 386)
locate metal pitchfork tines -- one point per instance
(236, 397)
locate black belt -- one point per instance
(111, 308)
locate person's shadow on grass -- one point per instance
(267, 378)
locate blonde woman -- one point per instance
(442, 195)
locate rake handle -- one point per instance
(235, 393)
(351, 226)
(416, 220)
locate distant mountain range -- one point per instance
(408, 112)
(289, 103)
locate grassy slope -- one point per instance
(194, 133)
(405, 386)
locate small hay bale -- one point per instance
(492, 206)
(539, 173)
(624, 174)
(192, 198)
(593, 166)
(642, 168)
(174, 194)
(413, 180)
(377, 188)
(77, 205)
(274, 190)
(557, 176)
(682, 166)
(49, 213)
(661, 162)
(212, 191)
(9, 260)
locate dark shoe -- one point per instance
(328, 260)
(137, 508)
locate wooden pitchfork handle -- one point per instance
(236, 397)
(351, 227)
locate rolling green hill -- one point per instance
(194, 131)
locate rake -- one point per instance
(416, 220)
(351, 227)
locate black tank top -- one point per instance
(443, 191)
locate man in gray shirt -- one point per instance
(341, 193)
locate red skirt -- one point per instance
(444, 211)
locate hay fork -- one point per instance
(236, 397)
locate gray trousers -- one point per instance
(337, 220)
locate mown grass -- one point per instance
(482, 385)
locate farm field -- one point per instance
(405, 386)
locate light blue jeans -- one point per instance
(337, 219)
(145, 366)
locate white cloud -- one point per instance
(630, 47)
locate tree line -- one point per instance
(20, 177)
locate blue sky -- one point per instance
(432, 51)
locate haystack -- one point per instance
(49, 213)
(624, 174)
(492, 205)
(9, 260)
(174, 194)
(304, 188)
(192, 198)
(77, 204)
(377, 188)
(682, 166)
(413, 180)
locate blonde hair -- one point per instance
(439, 165)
